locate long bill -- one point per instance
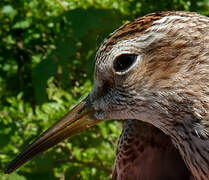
(78, 119)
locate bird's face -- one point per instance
(141, 69)
(120, 82)
(141, 72)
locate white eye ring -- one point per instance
(124, 62)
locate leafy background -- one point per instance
(47, 51)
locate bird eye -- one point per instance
(123, 62)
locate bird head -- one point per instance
(152, 69)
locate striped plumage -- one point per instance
(154, 69)
(145, 153)
(169, 85)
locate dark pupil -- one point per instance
(123, 62)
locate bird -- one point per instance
(153, 73)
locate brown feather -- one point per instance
(146, 153)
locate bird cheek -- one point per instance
(103, 108)
(99, 106)
(100, 115)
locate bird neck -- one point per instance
(190, 134)
(177, 117)
(193, 147)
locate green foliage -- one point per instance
(47, 51)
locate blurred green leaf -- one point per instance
(15, 176)
(40, 74)
(9, 10)
(23, 24)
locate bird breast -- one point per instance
(146, 153)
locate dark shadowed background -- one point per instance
(47, 51)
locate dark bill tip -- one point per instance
(78, 119)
